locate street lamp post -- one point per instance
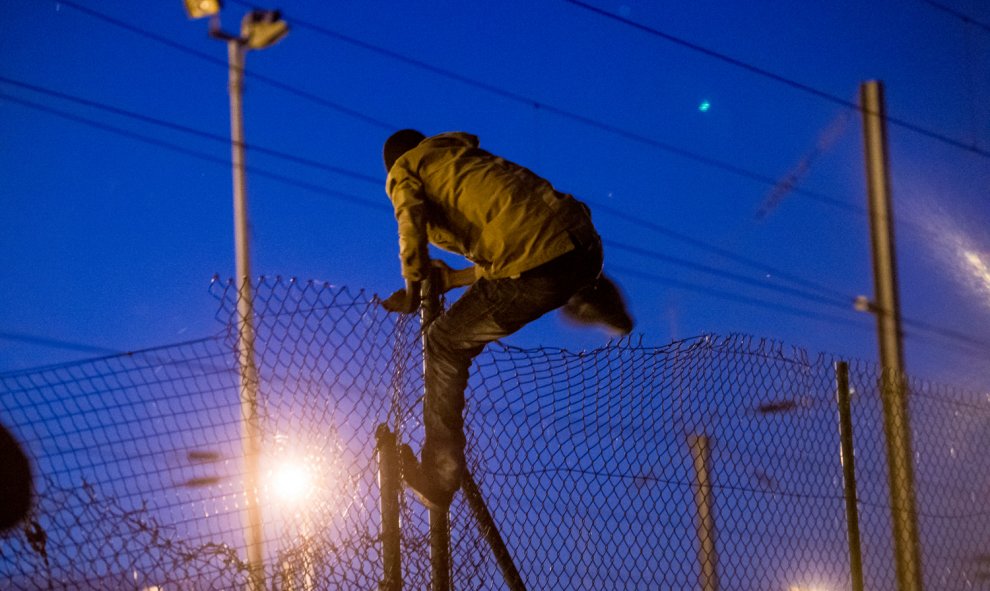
(259, 29)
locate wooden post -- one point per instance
(900, 464)
(490, 532)
(705, 522)
(849, 474)
(390, 486)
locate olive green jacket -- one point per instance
(497, 214)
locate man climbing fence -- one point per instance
(533, 249)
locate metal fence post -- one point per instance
(849, 474)
(490, 532)
(390, 485)
(707, 553)
(439, 519)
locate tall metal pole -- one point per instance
(887, 309)
(849, 474)
(251, 431)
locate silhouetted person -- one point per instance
(534, 249)
(15, 481)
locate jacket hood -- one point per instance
(453, 139)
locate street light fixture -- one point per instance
(263, 28)
(259, 29)
(201, 8)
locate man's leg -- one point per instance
(488, 311)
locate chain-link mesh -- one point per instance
(711, 463)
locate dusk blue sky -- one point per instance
(673, 120)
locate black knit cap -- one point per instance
(398, 144)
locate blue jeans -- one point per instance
(488, 311)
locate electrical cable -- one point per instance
(590, 122)
(733, 297)
(191, 130)
(309, 186)
(210, 158)
(728, 167)
(55, 343)
(761, 267)
(106, 354)
(959, 15)
(337, 195)
(838, 297)
(845, 304)
(309, 96)
(670, 148)
(372, 180)
(808, 89)
(729, 255)
(962, 343)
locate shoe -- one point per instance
(426, 486)
(602, 304)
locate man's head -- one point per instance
(398, 144)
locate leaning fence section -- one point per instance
(711, 463)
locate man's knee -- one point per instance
(437, 340)
(448, 342)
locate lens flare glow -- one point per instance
(962, 253)
(979, 268)
(292, 482)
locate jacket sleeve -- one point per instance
(406, 192)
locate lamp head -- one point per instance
(201, 8)
(263, 28)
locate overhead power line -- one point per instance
(334, 194)
(734, 297)
(779, 78)
(724, 253)
(959, 15)
(104, 354)
(830, 296)
(957, 341)
(629, 135)
(844, 304)
(309, 96)
(761, 267)
(567, 114)
(337, 195)
(51, 343)
(190, 130)
(764, 268)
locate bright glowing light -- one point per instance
(292, 482)
(705, 106)
(201, 8)
(961, 251)
(979, 267)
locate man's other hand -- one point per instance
(404, 301)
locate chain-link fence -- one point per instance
(711, 463)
